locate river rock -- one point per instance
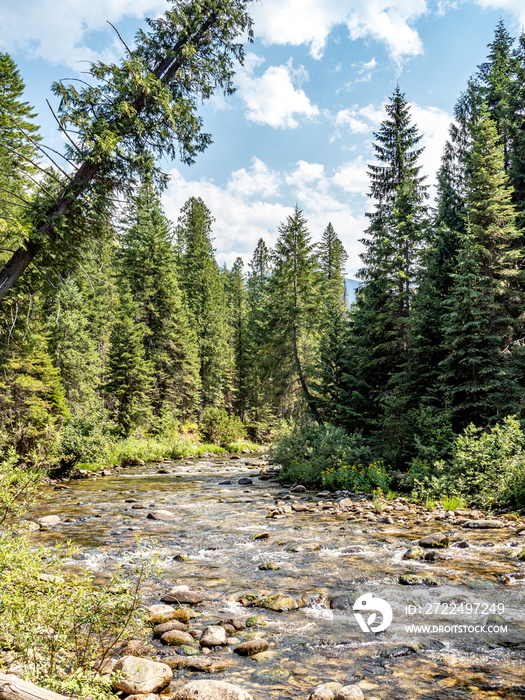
(300, 508)
(326, 691)
(182, 595)
(434, 541)
(160, 515)
(162, 613)
(48, 520)
(255, 621)
(141, 676)
(159, 630)
(414, 553)
(251, 647)
(145, 696)
(214, 636)
(268, 655)
(211, 690)
(483, 524)
(262, 536)
(413, 580)
(176, 637)
(278, 602)
(139, 506)
(298, 489)
(269, 566)
(349, 692)
(245, 481)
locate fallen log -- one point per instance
(12, 688)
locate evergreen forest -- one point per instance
(123, 339)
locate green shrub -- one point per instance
(309, 451)
(371, 478)
(18, 486)
(86, 437)
(487, 467)
(61, 627)
(220, 428)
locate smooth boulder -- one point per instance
(211, 690)
(141, 676)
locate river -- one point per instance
(472, 606)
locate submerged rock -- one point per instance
(142, 676)
(349, 692)
(278, 602)
(251, 647)
(182, 595)
(434, 541)
(412, 580)
(483, 524)
(211, 690)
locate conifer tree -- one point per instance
(237, 303)
(204, 293)
(332, 265)
(294, 307)
(129, 374)
(147, 262)
(74, 349)
(258, 370)
(392, 253)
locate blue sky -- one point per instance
(311, 93)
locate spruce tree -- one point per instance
(332, 265)
(392, 253)
(294, 308)
(129, 374)
(147, 262)
(204, 293)
(258, 369)
(74, 348)
(237, 303)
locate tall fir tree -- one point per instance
(332, 264)
(147, 261)
(396, 235)
(237, 304)
(294, 308)
(129, 373)
(204, 293)
(257, 326)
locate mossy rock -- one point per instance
(269, 566)
(256, 621)
(412, 580)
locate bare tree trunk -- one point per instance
(12, 688)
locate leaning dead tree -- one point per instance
(118, 126)
(12, 688)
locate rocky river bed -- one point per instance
(308, 579)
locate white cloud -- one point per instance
(433, 124)
(247, 207)
(274, 98)
(352, 176)
(514, 7)
(310, 22)
(56, 30)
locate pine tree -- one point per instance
(73, 348)
(147, 262)
(258, 369)
(392, 254)
(205, 297)
(237, 303)
(32, 406)
(129, 374)
(294, 304)
(332, 262)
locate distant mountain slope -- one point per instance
(351, 286)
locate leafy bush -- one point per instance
(487, 467)
(370, 478)
(61, 628)
(86, 437)
(309, 451)
(18, 486)
(220, 428)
